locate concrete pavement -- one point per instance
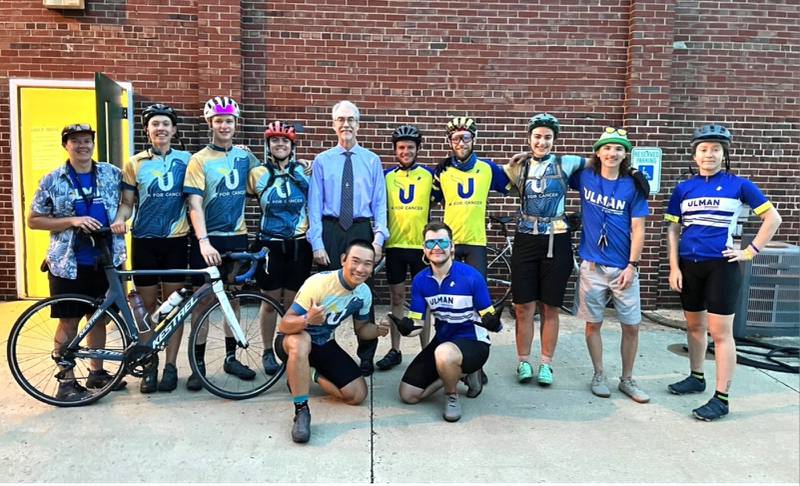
(510, 433)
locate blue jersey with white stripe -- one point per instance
(708, 209)
(457, 304)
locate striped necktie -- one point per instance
(346, 207)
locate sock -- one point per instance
(523, 358)
(230, 347)
(300, 402)
(699, 375)
(722, 396)
(200, 351)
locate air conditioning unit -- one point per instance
(769, 300)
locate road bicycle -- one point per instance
(498, 270)
(39, 368)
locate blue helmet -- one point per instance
(712, 133)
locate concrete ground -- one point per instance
(510, 433)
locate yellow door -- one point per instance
(43, 111)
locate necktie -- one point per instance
(346, 207)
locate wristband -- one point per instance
(203, 238)
(755, 248)
(634, 264)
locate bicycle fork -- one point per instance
(230, 315)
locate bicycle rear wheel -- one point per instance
(211, 330)
(34, 362)
(498, 276)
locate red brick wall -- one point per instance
(611, 63)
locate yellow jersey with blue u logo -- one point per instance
(408, 197)
(330, 290)
(464, 188)
(220, 177)
(157, 181)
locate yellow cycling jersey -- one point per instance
(220, 177)
(408, 197)
(465, 189)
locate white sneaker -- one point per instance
(600, 385)
(631, 388)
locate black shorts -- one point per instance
(710, 285)
(222, 244)
(474, 256)
(91, 281)
(328, 359)
(534, 277)
(400, 260)
(422, 370)
(159, 254)
(289, 264)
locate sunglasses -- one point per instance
(78, 127)
(442, 243)
(618, 131)
(464, 137)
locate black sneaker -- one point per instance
(233, 367)
(392, 359)
(194, 383)
(269, 362)
(367, 368)
(474, 382)
(301, 429)
(100, 378)
(149, 382)
(690, 384)
(71, 391)
(169, 378)
(714, 409)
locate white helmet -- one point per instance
(220, 105)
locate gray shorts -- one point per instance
(599, 284)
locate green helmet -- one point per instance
(544, 120)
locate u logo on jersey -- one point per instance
(470, 189)
(406, 199)
(232, 179)
(166, 181)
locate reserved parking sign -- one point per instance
(648, 161)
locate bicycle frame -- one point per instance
(115, 296)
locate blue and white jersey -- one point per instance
(158, 183)
(457, 304)
(283, 196)
(707, 209)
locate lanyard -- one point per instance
(77, 183)
(602, 242)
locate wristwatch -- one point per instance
(634, 265)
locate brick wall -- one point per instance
(657, 67)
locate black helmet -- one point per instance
(158, 109)
(712, 133)
(544, 120)
(407, 132)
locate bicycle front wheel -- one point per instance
(498, 276)
(252, 310)
(34, 359)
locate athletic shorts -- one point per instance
(422, 370)
(159, 254)
(90, 281)
(289, 264)
(599, 285)
(328, 359)
(534, 277)
(474, 256)
(711, 285)
(222, 244)
(400, 260)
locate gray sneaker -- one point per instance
(452, 408)
(474, 382)
(600, 385)
(631, 388)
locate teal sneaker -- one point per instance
(524, 372)
(545, 377)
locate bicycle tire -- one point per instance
(211, 330)
(30, 351)
(498, 276)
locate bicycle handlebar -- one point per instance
(252, 258)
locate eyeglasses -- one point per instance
(464, 137)
(340, 120)
(442, 243)
(619, 131)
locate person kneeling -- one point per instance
(306, 334)
(458, 298)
